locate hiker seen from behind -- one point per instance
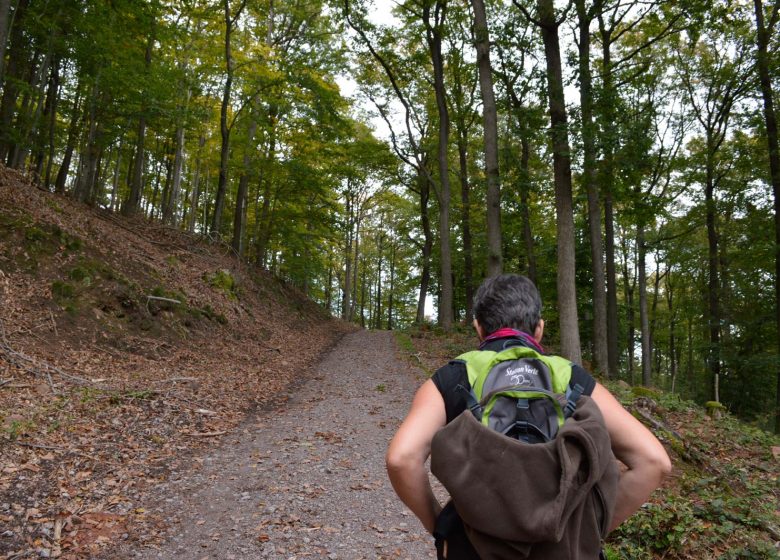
(526, 443)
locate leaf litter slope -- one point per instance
(104, 389)
(306, 477)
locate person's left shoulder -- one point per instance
(580, 376)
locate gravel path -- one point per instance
(306, 478)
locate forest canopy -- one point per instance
(622, 154)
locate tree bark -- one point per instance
(762, 59)
(224, 129)
(713, 287)
(52, 103)
(567, 296)
(525, 212)
(392, 289)
(490, 119)
(239, 216)
(434, 38)
(465, 220)
(5, 10)
(606, 183)
(427, 245)
(64, 170)
(17, 53)
(195, 193)
(133, 202)
(644, 320)
(591, 186)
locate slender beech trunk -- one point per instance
(629, 284)
(52, 104)
(465, 217)
(264, 233)
(427, 246)
(195, 192)
(654, 351)
(239, 216)
(115, 179)
(567, 296)
(434, 38)
(606, 181)
(392, 288)
(490, 119)
(591, 186)
(770, 118)
(525, 212)
(713, 287)
(355, 269)
(349, 240)
(378, 313)
(5, 25)
(644, 320)
(224, 153)
(133, 201)
(171, 201)
(73, 128)
(673, 358)
(87, 170)
(17, 53)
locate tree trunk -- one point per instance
(567, 296)
(16, 63)
(465, 219)
(628, 288)
(606, 182)
(434, 37)
(115, 180)
(133, 201)
(224, 153)
(713, 289)
(349, 203)
(392, 289)
(774, 165)
(378, 313)
(591, 186)
(525, 211)
(239, 216)
(87, 172)
(171, 201)
(64, 170)
(644, 320)
(264, 233)
(427, 246)
(195, 193)
(52, 104)
(5, 25)
(490, 118)
(672, 326)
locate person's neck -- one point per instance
(507, 332)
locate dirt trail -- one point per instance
(306, 478)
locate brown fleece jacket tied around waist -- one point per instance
(549, 500)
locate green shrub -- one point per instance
(62, 291)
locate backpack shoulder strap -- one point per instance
(478, 364)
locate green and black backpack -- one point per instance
(519, 392)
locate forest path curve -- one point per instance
(305, 478)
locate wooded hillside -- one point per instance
(125, 349)
(622, 154)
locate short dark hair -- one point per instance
(508, 300)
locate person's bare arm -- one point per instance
(637, 448)
(409, 450)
